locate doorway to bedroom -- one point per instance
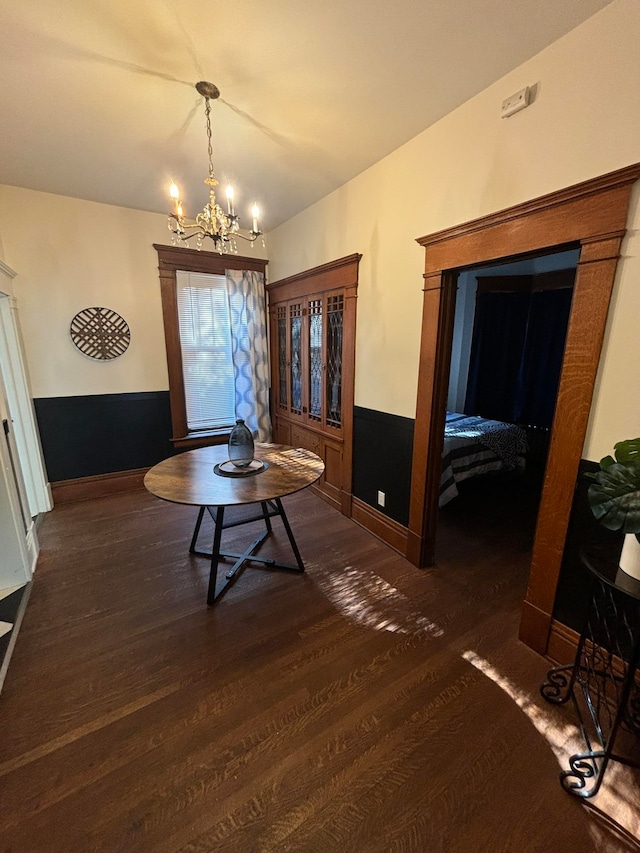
(591, 216)
(509, 333)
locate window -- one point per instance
(205, 343)
(197, 327)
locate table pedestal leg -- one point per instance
(215, 554)
(270, 509)
(287, 527)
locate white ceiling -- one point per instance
(97, 98)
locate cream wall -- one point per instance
(584, 121)
(71, 254)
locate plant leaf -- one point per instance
(607, 462)
(615, 497)
(627, 451)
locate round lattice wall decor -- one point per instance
(100, 333)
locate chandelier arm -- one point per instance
(189, 231)
(254, 234)
(201, 235)
(181, 227)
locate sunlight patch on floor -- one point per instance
(369, 600)
(616, 801)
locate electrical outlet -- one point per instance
(515, 103)
(381, 498)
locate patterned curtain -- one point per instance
(250, 350)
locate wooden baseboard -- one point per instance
(99, 486)
(534, 627)
(346, 499)
(413, 552)
(563, 643)
(380, 525)
(318, 490)
(341, 500)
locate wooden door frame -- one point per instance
(590, 216)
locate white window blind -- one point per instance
(205, 341)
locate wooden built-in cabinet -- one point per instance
(312, 319)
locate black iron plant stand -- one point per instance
(601, 682)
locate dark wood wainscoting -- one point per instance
(382, 445)
(97, 434)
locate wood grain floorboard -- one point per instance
(363, 706)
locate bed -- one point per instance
(475, 446)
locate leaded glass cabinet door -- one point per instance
(322, 392)
(316, 360)
(308, 336)
(282, 358)
(296, 369)
(289, 359)
(334, 339)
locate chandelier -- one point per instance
(223, 228)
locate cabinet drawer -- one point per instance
(304, 438)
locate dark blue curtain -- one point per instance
(542, 354)
(496, 353)
(516, 355)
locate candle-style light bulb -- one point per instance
(174, 192)
(255, 213)
(230, 200)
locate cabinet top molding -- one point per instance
(331, 267)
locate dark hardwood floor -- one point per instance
(362, 706)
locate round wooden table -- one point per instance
(189, 478)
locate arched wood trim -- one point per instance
(591, 216)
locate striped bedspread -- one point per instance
(474, 446)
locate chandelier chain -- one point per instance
(207, 111)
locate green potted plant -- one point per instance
(614, 499)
